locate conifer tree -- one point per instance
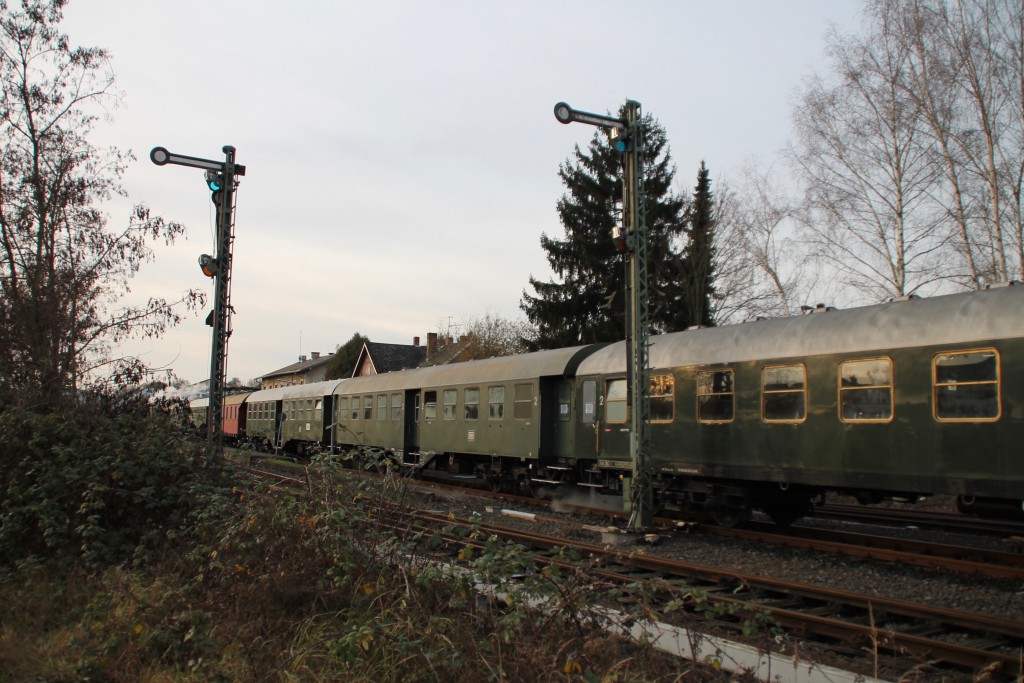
(576, 308)
(698, 263)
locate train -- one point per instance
(895, 401)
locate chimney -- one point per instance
(302, 359)
(431, 344)
(316, 354)
(415, 341)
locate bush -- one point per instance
(109, 482)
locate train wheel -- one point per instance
(784, 516)
(729, 513)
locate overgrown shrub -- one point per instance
(263, 584)
(107, 482)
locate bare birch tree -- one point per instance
(867, 175)
(762, 270)
(63, 270)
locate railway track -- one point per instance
(949, 640)
(943, 640)
(976, 561)
(1008, 564)
(925, 519)
(905, 551)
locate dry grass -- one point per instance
(280, 588)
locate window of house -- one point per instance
(966, 386)
(865, 390)
(615, 409)
(471, 403)
(495, 403)
(662, 395)
(430, 405)
(784, 393)
(522, 402)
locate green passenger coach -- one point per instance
(291, 418)
(912, 397)
(893, 401)
(490, 419)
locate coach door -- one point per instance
(556, 418)
(588, 431)
(411, 430)
(613, 413)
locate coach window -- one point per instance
(589, 402)
(396, 407)
(966, 386)
(522, 408)
(341, 408)
(471, 403)
(416, 408)
(564, 399)
(382, 406)
(429, 405)
(783, 393)
(450, 397)
(367, 407)
(615, 401)
(495, 403)
(662, 397)
(865, 390)
(716, 396)
(355, 408)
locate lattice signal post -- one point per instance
(221, 178)
(627, 135)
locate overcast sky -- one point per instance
(402, 157)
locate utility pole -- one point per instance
(628, 137)
(221, 179)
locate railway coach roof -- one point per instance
(311, 390)
(942, 320)
(553, 363)
(235, 399)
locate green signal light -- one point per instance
(215, 180)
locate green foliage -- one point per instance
(334, 583)
(343, 362)
(108, 482)
(698, 264)
(573, 310)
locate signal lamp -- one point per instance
(620, 138)
(215, 180)
(208, 265)
(619, 239)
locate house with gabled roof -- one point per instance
(305, 371)
(377, 358)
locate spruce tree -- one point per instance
(575, 309)
(698, 263)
